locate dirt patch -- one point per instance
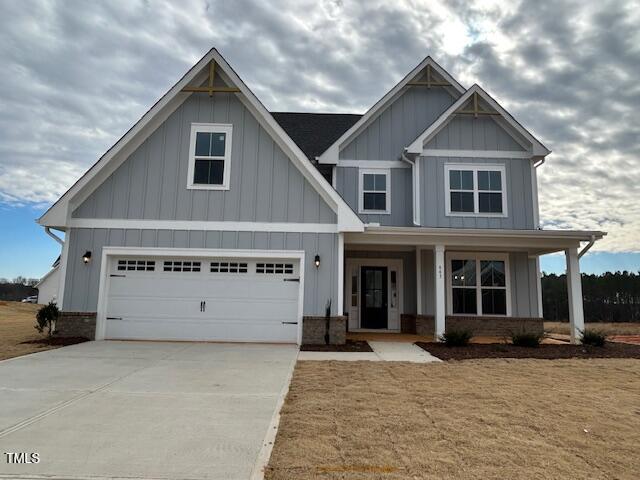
(481, 419)
(544, 351)
(350, 346)
(56, 341)
(620, 328)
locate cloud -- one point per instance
(77, 75)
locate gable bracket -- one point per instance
(430, 81)
(476, 109)
(210, 89)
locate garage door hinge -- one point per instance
(289, 323)
(291, 279)
(116, 275)
(114, 318)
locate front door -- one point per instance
(374, 297)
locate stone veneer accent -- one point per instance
(314, 328)
(76, 324)
(480, 326)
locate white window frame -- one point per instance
(476, 192)
(196, 128)
(374, 171)
(478, 257)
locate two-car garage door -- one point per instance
(202, 299)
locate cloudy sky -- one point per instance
(76, 75)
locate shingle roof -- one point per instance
(315, 132)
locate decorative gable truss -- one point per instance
(210, 75)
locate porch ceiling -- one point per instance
(535, 242)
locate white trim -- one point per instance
(332, 154)
(485, 167)
(372, 164)
(64, 256)
(417, 146)
(204, 225)
(574, 293)
(539, 287)
(478, 257)
(439, 291)
(434, 152)
(196, 128)
(374, 171)
(103, 289)
(418, 280)
(534, 193)
(340, 309)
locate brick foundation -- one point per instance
(76, 324)
(480, 326)
(313, 330)
(417, 324)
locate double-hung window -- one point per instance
(475, 190)
(479, 284)
(209, 156)
(375, 191)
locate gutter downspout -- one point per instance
(48, 231)
(587, 247)
(414, 183)
(540, 163)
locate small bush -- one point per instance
(456, 338)
(594, 338)
(46, 318)
(525, 339)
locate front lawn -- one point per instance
(626, 328)
(478, 419)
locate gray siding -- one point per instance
(524, 284)
(398, 125)
(320, 284)
(401, 196)
(408, 268)
(519, 195)
(152, 183)
(464, 132)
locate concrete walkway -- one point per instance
(382, 352)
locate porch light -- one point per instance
(317, 261)
(86, 258)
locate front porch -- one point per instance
(425, 281)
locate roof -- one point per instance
(315, 132)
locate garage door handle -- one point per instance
(115, 275)
(114, 318)
(291, 279)
(289, 323)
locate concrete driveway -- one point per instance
(141, 409)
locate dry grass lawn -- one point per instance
(16, 326)
(477, 419)
(608, 328)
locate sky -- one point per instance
(76, 75)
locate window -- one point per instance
(274, 268)
(479, 284)
(228, 267)
(475, 190)
(209, 156)
(181, 266)
(375, 191)
(136, 265)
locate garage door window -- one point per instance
(181, 266)
(281, 268)
(136, 265)
(228, 267)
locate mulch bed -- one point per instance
(544, 351)
(56, 341)
(350, 346)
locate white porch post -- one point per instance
(418, 281)
(439, 285)
(574, 290)
(340, 306)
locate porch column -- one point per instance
(439, 290)
(418, 281)
(574, 291)
(340, 306)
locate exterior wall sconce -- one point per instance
(86, 258)
(317, 261)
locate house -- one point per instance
(214, 219)
(48, 285)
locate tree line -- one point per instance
(18, 288)
(609, 297)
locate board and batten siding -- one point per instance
(401, 213)
(520, 205)
(82, 280)
(464, 132)
(522, 275)
(398, 125)
(265, 186)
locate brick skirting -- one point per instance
(479, 326)
(314, 328)
(76, 324)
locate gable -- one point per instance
(151, 183)
(464, 132)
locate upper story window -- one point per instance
(475, 190)
(375, 191)
(210, 156)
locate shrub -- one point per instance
(525, 339)
(594, 338)
(46, 318)
(456, 338)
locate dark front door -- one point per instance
(374, 297)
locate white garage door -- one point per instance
(224, 299)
